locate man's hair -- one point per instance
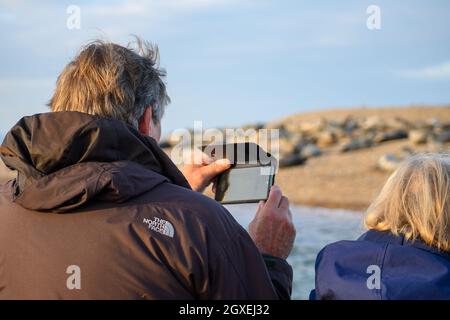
(112, 81)
(415, 201)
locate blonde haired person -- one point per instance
(405, 252)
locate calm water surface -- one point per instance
(316, 227)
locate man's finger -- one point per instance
(194, 157)
(211, 170)
(274, 197)
(260, 206)
(214, 186)
(259, 210)
(284, 203)
(206, 159)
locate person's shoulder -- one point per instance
(209, 211)
(189, 200)
(195, 210)
(343, 267)
(363, 248)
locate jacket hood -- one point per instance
(66, 159)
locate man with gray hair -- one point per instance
(98, 210)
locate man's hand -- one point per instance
(272, 229)
(201, 170)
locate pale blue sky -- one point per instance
(234, 62)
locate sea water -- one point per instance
(316, 227)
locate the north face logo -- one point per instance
(159, 225)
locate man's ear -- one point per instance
(147, 127)
(146, 121)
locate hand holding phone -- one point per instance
(272, 229)
(250, 176)
(201, 174)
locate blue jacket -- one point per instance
(380, 265)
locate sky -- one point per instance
(230, 62)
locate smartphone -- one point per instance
(251, 175)
(244, 184)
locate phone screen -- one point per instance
(243, 185)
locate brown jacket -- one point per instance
(98, 211)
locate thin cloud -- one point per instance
(440, 71)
